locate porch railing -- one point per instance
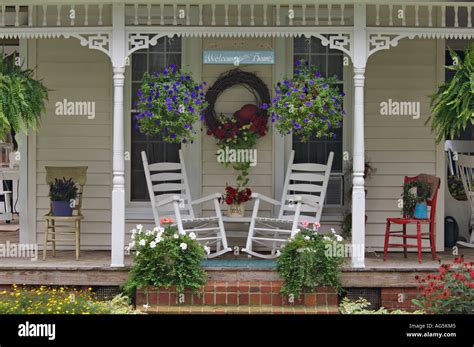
(226, 14)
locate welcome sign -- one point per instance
(238, 57)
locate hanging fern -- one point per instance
(453, 104)
(22, 98)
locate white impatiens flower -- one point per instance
(142, 242)
(183, 246)
(137, 253)
(333, 231)
(306, 238)
(149, 232)
(176, 236)
(278, 253)
(339, 238)
(131, 244)
(207, 250)
(139, 228)
(192, 236)
(326, 238)
(158, 239)
(132, 237)
(152, 244)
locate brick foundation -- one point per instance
(399, 298)
(254, 293)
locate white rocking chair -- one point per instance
(174, 200)
(465, 166)
(299, 203)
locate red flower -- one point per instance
(220, 133)
(470, 284)
(459, 260)
(209, 132)
(229, 200)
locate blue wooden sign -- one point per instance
(238, 57)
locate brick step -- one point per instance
(241, 309)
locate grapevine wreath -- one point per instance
(247, 124)
(230, 79)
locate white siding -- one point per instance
(77, 73)
(397, 145)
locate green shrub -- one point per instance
(451, 290)
(359, 306)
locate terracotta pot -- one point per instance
(235, 210)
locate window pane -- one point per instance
(139, 66)
(335, 66)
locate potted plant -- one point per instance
(22, 98)
(234, 198)
(415, 194)
(454, 101)
(169, 103)
(62, 193)
(308, 104)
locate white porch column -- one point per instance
(358, 193)
(118, 163)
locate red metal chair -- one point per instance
(434, 183)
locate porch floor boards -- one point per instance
(93, 268)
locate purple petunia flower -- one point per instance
(264, 106)
(318, 74)
(308, 103)
(173, 135)
(311, 82)
(325, 85)
(165, 71)
(172, 66)
(298, 63)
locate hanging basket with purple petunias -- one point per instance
(307, 105)
(168, 105)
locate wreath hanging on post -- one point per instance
(242, 130)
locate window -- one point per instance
(167, 51)
(316, 150)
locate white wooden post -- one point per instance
(118, 165)
(358, 193)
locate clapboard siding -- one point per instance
(397, 145)
(77, 73)
(215, 175)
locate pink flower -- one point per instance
(166, 220)
(305, 223)
(316, 226)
